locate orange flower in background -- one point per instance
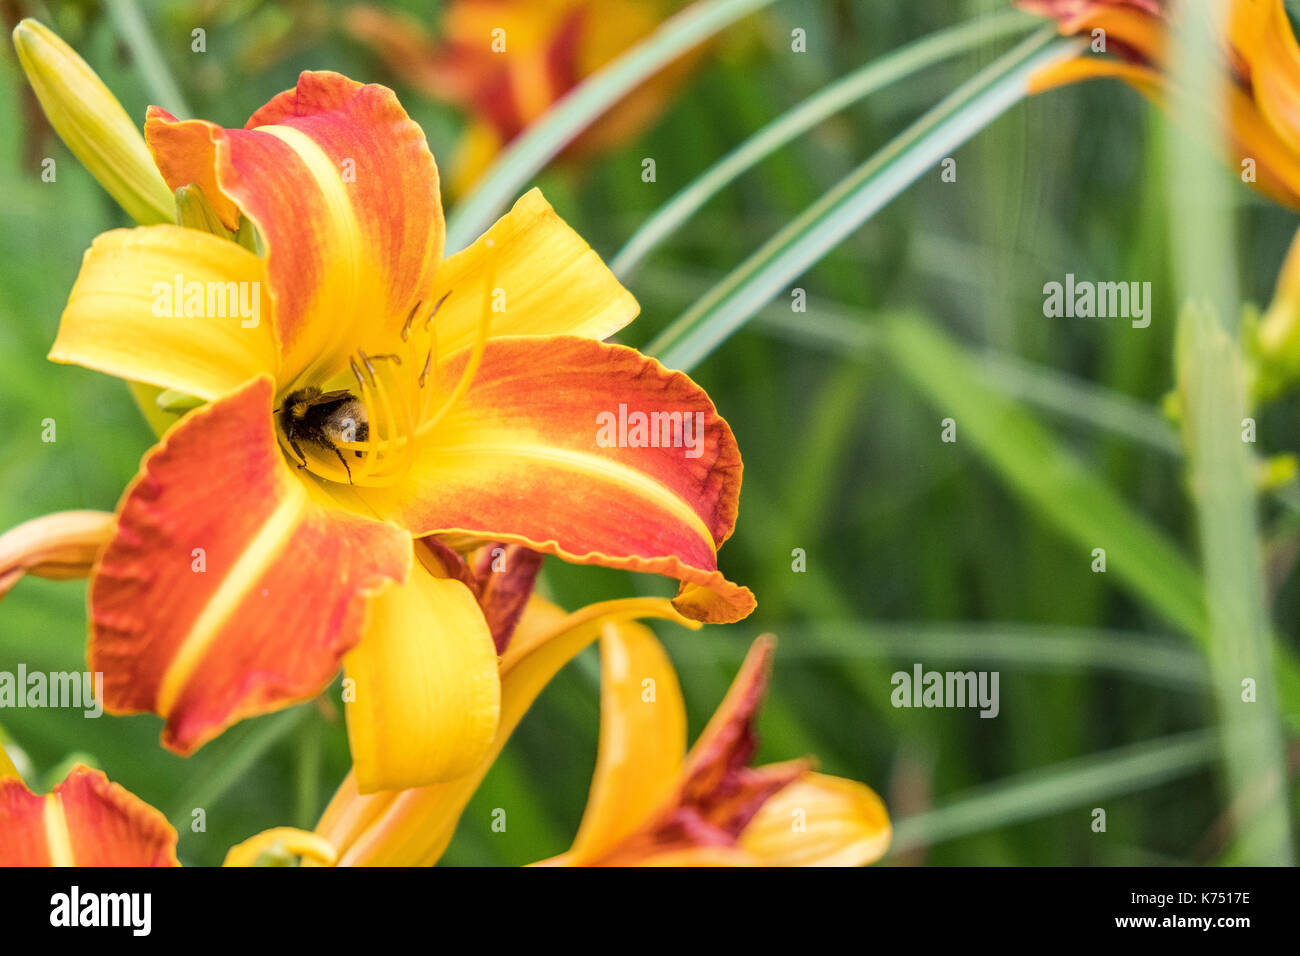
(506, 62)
(1261, 60)
(361, 390)
(86, 821)
(90, 821)
(649, 804)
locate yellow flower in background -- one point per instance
(506, 62)
(1261, 118)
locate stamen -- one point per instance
(406, 326)
(476, 356)
(398, 407)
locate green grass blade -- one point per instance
(133, 29)
(1149, 658)
(239, 752)
(1213, 391)
(1060, 488)
(856, 198)
(1075, 784)
(891, 68)
(581, 106)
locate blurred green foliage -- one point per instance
(917, 550)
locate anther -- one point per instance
(436, 306)
(428, 360)
(365, 360)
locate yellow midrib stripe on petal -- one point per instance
(57, 837)
(343, 271)
(258, 554)
(592, 464)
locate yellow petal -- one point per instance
(819, 820)
(90, 120)
(548, 282)
(124, 317)
(7, 768)
(413, 827)
(427, 696)
(642, 739)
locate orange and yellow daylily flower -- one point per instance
(1260, 115)
(506, 62)
(247, 561)
(651, 802)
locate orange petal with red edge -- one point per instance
(534, 454)
(86, 821)
(344, 193)
(228, 590)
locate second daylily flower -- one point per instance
(1261, 59)
(651, 802)
(506, 62)
(367, 390)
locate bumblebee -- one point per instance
(324, 419)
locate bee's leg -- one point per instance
(344, 461)
(293, 443)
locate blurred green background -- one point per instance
(917, 550)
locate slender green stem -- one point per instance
(582, 105)
(894, 66)
(158, 79)
(1240, 647)
(1214, 399)
(707, 324)
(307, 803)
